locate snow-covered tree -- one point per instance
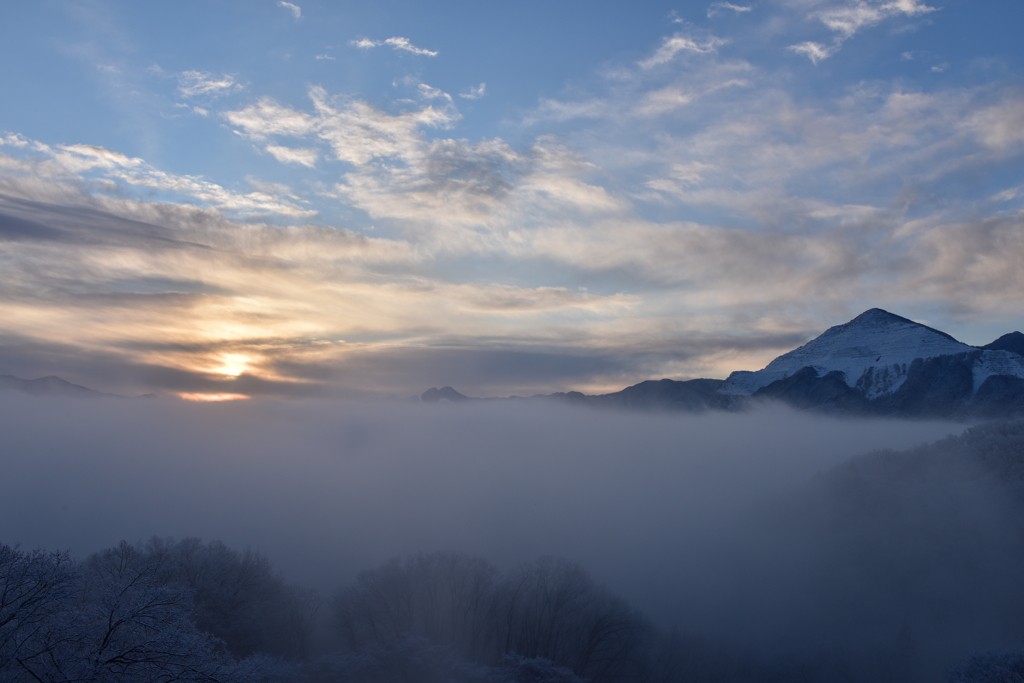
(996, 666)
(36, 588)
(108, 619)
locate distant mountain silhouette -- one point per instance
(876, 364)
(49, 386)
(433, 395)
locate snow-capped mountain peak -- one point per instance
(873, 351)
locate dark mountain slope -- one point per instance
(1014, 342)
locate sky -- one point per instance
(264, 198)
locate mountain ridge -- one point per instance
(878, 363)
(1013, 341)
(853, 348)
(51, 385)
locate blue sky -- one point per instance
(243, 198)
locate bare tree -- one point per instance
(109, 619)
(237, 596)
(35, 587)
(446, 598)
(552, 609)
(549, 610)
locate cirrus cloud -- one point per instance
(197, 83)
(291, 7)
(395, 42)
(848, 17)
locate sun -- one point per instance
(233, 364)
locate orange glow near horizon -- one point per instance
(206, 398)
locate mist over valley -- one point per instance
(773, 538)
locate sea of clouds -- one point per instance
(326, 489)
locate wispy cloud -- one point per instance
(294, 9)
(849, 17)
(292, 155)
(395, 42)
(432, 93)
(463, 194)
(195, 83)
(643, 93)
(404, 44)
(267, 117)
(64, 161)
(474, 93)
(558, 110)
(356, 132)
(752, 155)
(78, 158)
(716, 8)
(814, 51)
(677, 43)
(1008, 194)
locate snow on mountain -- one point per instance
(873, 351)
(993, 363)
(1014, 341)
(876, 364)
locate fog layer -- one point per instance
(710, 523)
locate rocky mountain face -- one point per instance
(876, 364)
